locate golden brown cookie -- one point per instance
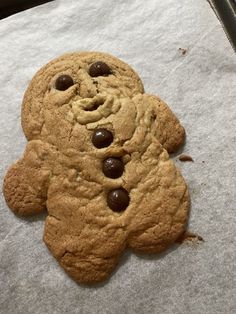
(97, 160)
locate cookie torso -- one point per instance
(158, 194)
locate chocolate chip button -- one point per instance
(99, 68)
(118, 199)
(102, 138)
(113, 167)
(63, 82)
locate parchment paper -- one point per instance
(199, 86)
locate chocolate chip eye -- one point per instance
(99, 68)
(63, 82)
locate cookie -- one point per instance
(97, 160)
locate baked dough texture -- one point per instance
(61, 169)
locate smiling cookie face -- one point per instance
(97, 160)
(77, 88)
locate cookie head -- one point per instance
(76, 88)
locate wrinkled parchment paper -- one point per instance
(199, 86)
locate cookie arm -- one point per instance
(168, 129)
(26, 181)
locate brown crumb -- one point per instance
(183, 51)
(185, 158)
(189, 236)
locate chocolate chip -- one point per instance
(63, 82)
(118, 199)
(185, 158)
(99, 68)
(102, 138)
(113, 167)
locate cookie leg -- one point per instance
(158, 230)
(155, 239)
(87, 255)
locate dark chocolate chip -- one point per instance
(118, 199)
(185, 158)
(102, 138)
(99, 68)
(113, 167)
(63, 82)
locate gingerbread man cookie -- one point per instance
(97, 160)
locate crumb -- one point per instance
(185, 158)
(183, 51)
(203, 161)
(188, 236)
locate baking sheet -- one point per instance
(199, 86)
